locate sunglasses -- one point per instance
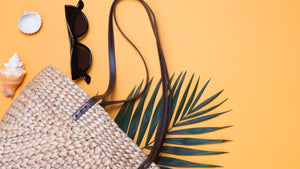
(81, 56)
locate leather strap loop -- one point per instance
(85, 107)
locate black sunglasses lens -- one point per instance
(80, 60)
(76, 20)
(83, 57)
(80, 24)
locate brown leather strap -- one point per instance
(112, 69)
(164, 119)
(166, 106)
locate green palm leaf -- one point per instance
(137, 114)
(174, 162)
(164, 167)
(154, 121)
(147, 114)
(192, 141)
(204, 111)
(120, 116)
(205, 102)
(141, 123)
(198, 96)
(185, 151)
(181, 104)
(199, 130)
(199, 119)
(189, 102)
(124, 120)
(175, 98)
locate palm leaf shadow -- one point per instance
(186, 110)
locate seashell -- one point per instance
(30, 22)
(9, 83)
(12, 75)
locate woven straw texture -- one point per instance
(38, 131)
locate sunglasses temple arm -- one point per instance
(80, 5)
(86, 77)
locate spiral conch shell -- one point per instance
(12, 76)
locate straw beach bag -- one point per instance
(38, 131)
(55, 124)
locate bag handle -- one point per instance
(166, 92)
(112, 69)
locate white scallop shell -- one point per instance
(30, 22)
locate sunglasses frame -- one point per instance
(76, 71)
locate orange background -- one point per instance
(250, 48)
